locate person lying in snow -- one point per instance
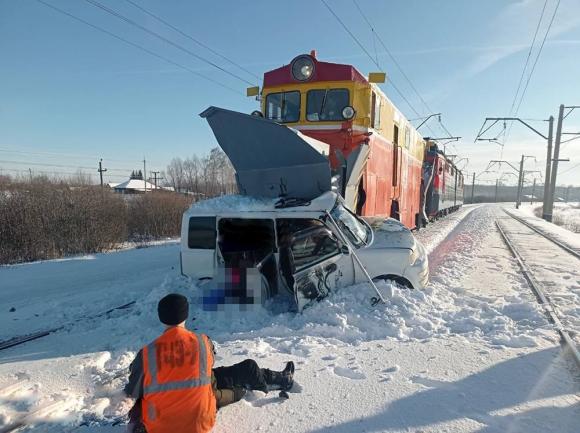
(176, 387)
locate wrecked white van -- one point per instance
(302, 249)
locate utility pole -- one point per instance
(520, 183)
(548, 170)
(155, 173)
(472, 187)
(101, 170)
(144, 175)
(567, 193)
(533, 191)
(496, 186)
(554, 174)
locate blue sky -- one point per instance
(68, 89)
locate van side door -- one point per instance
(317, 261)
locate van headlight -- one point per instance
(413, 256)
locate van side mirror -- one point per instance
(344, 249)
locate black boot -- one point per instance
(280, 379)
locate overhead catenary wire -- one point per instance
(569, 169)
(538, 56)
(396, 63)
(139, 47)
(164, 39)
(362, 47)
(522, 95)
(528, 58)
(188, 36)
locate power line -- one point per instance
(351, 34)
(538, 56)
(63, 155)
(21, 171)
(139, 47)
(569, 169)
(198, 42)
(394, 60)
(43, 164)
(528, 59)
(164, 39)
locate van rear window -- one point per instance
(202, 233)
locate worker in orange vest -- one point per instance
(176, 387)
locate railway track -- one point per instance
(542, 291)
(21, 339)
(574, 251)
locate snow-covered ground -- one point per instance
(566, 215)
(471, 353)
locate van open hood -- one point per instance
(270, 159)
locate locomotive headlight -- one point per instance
(348, 112)
(302, 68)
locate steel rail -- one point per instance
(538, 290)
(21, 339)
(562, 245)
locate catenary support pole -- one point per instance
(533, 192)
(472, 187)
(520, 183)
(496, 186)
(548, 169)
(554, 174)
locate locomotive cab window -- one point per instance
(323, 105)
(283, 107)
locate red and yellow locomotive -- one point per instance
(336, 104)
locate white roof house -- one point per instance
(134, 186)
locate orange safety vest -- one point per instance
(177, 389)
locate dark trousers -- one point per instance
(245, 374)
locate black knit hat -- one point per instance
(173, 309)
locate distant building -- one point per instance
(134, 186)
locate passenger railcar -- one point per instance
(444, 192)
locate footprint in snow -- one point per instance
(329, 357)
(349, 373)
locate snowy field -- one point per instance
(471, 353)
(566, 215)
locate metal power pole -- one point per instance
(533, 191)
(496, 187)
(520, 183)
(550, 204)
(472, 187)
(144, 175)
(548, 169)
(101, 170)
(155, 173)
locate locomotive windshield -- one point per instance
(326, 104)
(283, 107)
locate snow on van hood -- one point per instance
(390, 233)
(246, 203)
(233, 203)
